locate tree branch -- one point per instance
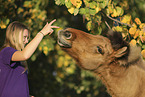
(118, 21)
(107, 25)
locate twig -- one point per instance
(107, 25)
(119, 21)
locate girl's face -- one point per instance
(25, 36)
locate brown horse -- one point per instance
(119, 65)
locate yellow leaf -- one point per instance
(40, 48)
(60, 62)
(76, 3)
(67, 57)
(69, 70)
(45, 48)
(142, 25)
(40, 16)
(20, 10)
(126, 19)
(61, 75)
(89, 25)
(66, 63)
(114, 13)
(71, 10)
(97, 9)
(119, 29)
(140, 33)
(3, 26)
(136, 34)
(143, 38)
(110, 9)
(30, 21)
(27, 4)
(73, 2)
(133, 42)
(79, 4)
(137, 20)
(134, 25)
(143, 53)
(132, 30)
(30, 6)
(45, 52)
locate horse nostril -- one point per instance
(67, 35)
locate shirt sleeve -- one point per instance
(7, 55)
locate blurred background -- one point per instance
(52, 72)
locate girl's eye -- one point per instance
(25, 37)
(99, 50)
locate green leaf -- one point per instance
(27, 3)
(33, 58)
(82, 11)
(119, 11)
(68, 4)
(92, 11)
(59, 2)
(99, 30)
(143, 47)
(88, 17)
(87, 10)
(89, 25)
(104, 4)
(92, 5)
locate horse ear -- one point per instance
(117, 40)
(120, 52)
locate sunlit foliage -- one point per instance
(53, 73)
(97, 13)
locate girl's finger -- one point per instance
(51, 31)
(54, 27)
(52, 22)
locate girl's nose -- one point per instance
(26, 40)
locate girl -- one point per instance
(13, 54)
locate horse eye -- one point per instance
(99, 50)
(68, 35)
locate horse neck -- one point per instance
(120, 80)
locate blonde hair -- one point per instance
(12, 35)
(13, 32)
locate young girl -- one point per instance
(13, 54)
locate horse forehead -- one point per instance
(81, 35)
(99, 39)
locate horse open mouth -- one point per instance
(63, 44)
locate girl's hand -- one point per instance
(47, 29)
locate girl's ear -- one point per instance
(120, 52)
